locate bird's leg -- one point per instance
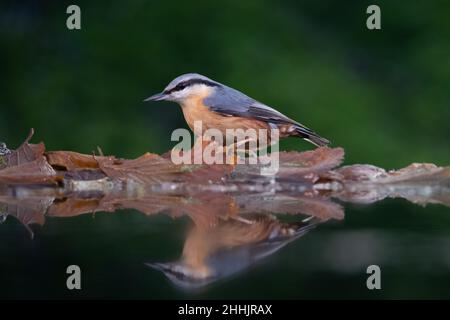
(230, 158)
(225, 150)
(231, 151)
(243, 142)
(233, 156)
(252, 152)
(201, 139)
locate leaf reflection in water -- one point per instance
(229, 233)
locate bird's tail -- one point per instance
(311, 136)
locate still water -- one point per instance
(216, 245)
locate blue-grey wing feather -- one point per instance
(230, 102)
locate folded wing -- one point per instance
(230, 102)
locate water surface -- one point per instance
(221, 245)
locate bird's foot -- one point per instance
(229, 155)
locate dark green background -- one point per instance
(382, 95)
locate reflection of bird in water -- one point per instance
(232, 246)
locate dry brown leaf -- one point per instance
(205, 174)
(149, 168)
(27, 165)
(25, 153)
(301, 163)
(35, 172)
(69, 160)
(416, 172)
(361, 172)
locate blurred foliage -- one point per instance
(382, 95)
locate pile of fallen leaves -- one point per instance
(305, 184)
(31, 164)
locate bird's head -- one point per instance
(186, 86)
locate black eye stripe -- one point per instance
(181, 86)
(191, 82)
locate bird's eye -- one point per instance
(181, 86)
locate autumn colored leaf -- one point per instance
(35, 172)
(25, 153)
(68, 160)
(204, 174)
(149, 168)
(296, 164)
(27, 165)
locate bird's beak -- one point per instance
(157, 97)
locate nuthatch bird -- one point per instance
(221, 107)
